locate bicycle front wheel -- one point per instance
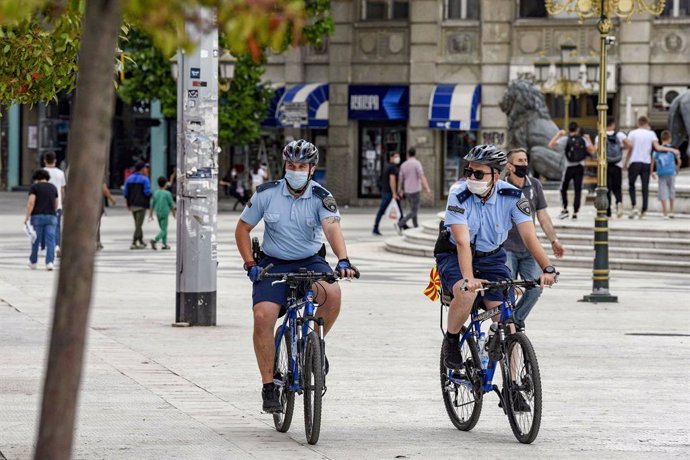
(522, 388)
(313, 388)
(282, 376)
(463, 401)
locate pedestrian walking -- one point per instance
(137, 193)
(107, 196)
(616, 142)
(40, 213)
(162, 204)
(389, 188)
(57, 178)
(576, 147)
(259, 176)
(666, 164)
(638, 163)
(412, 179)
(518, 258)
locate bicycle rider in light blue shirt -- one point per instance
(479, 214)
(295, 211)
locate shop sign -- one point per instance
(293, 114)
(378, 102)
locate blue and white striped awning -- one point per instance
(455, 107)
(271, 120)
(304, 106)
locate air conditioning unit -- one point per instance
(669, 93)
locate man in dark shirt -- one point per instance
(389, 188)
(40, 214)
(138, 195)
(519, 259)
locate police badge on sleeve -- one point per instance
(523, 206)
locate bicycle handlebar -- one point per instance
(492, 285)
(306, 275)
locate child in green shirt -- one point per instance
(162, 204)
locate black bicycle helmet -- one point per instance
(301, 151)
(487, 154)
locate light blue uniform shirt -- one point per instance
(292, 225)
(490, 221)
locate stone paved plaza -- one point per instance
(615, 376)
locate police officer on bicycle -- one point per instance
(295, 210)
(479, 214)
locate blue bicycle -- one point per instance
(463, 389)
(300, 356)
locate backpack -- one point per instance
(665, 163)
(614, 152)
(575, 149)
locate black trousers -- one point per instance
(614, 182)
(640, 170)
(576, 174)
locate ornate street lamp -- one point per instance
(568, 79)
(605, 10)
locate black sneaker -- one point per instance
(563, 214)
(451, 355)
(271, 396)
(153, 244)
(376, 232)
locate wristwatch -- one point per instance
(550, 270)
(248, 265)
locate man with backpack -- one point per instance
(576, 147)
(638, 162)
(616, 141)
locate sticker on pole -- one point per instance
(193, 93)
(195, 72)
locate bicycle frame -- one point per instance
(299, 323)
(506, 314)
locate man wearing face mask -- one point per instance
(479, 214)
(519, 259)
(295, 211)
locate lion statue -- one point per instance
(530, 126)
(679, 119)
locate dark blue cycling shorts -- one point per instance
(264, 291)
(491, 268)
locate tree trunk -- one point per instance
(88, 141)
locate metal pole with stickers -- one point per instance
(197, 177)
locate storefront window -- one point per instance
(376, 140)
(457, 145)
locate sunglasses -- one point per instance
(479, 175)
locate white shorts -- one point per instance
(667, 188)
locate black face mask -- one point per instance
(521, 170)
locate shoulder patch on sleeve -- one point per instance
(514, 192)
(523, 206)
(464, 195)
(326, 198)
(456, 209)
(267, 185)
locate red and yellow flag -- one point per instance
(433, 290)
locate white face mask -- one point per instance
(296, 179)
(396, 160)
(478, 187)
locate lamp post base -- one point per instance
(600, 297)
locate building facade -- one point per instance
(430, 74)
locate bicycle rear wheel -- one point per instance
(522, 388)
(282, 376)
(463, 401)
(313, 388)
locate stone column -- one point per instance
(634, 54)
(341, 173)
(424, 38)
(497, 18)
